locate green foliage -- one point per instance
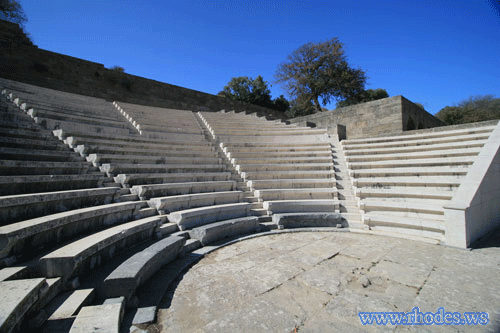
(11, 10)
(320, 70)
(118, 69)
(253, 91)
(474, 109)
(363, 97)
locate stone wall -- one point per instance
(24, 62)
(375, 118)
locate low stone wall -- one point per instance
(375, 118)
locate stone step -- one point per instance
(290, 183)
(67, 305)
(427, 162)
(264, 175)
(286, 154)
(284, 167)
(159, 178)
(99, 318)
(165, 205)
(418, 148)
(161, 190)
(17, 167)
(408, 181)
(14, 208)
(414, 226)
(17, 298)
(217, 231)
(287, 160)
(23, 154)
(137, 270)
(24, 184)
(405, 192)
(415, 155)
(456, 171)
(110, 169)
(419, 137)
(434, 207)
(25, 237)
(194, 217)
(296, 193)
(136, 159)
(87, 253)
(301, 206)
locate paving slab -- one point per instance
(319, 282)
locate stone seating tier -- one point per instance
(421, 137)
(165, 205)
(418, 148)
(351, 147)
(217, 231)
(270, 159)
(159, 190)
(111, 169)
(296, 193)
(136, 270)
(100, 318)
(445, 170)
(309, 220)
(21, 238)
(305, 174)
(428, 162)
(194, 217)
(87, 253)
(17, 297)
(415, 155)
(107, 150)
(72, 117)
(128, 179)
(19, 167)
(24, 184)
(278, 154)
(284, 167)
(14, 208)
(97, 159)
(75, 137)
(7, 153)
(301, 206)
(290, 183)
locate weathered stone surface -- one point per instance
(99, 318)
(215, 231)
(299, 220)
(279, 284)
(136, 270)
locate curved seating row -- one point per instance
(404, 181)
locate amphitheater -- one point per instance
(123, 217)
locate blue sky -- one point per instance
(437, 53)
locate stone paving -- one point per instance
(318, 282)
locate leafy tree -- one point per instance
(474, 109)
(248, 90)
(320, 70)
(363, 97)
(11, 10)
(253, 91)
(119, 69)
(281, 104)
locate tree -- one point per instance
(363, 97)
(248, 90)
(118, 69)
(11, 10)
(474, 109)
(320, 71)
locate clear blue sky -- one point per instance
(436, 53)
